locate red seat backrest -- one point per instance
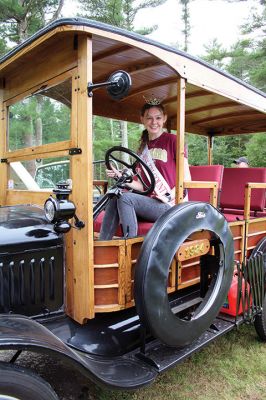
(209, 173)
(233, 188)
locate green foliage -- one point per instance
(228, 148)
(119, 13)
(258, 70)
(256, 150)
(23, 131)
(216, 54)
(197, 149)
(3, 44)
(186, 20)
(20, 19)
(106, 134)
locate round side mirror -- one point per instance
(119, 84)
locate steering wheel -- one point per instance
(136, 160)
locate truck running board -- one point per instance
(163, 357)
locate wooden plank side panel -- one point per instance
(14, 197)
(133, 251)
(256, 230)
(110, 271)
(238, 231)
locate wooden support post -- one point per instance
(210, 149)
(248, 188)
(80, 271)
(247, 201)
(180, 129)
(3, 166)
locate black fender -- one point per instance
(18, 332)
(152, 269)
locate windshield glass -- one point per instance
(38, 174)
(42, 118)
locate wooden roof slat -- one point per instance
(224, 116)
(110, 52)
(239, 128)
(169, 100)
(144, 66)
(152, 85)
(198, 93)
(134, 69)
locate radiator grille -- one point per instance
(32, 282)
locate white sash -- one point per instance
(161, 186)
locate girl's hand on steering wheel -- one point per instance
(113, 173)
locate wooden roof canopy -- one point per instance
(216, 103)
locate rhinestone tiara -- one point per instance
(152, 100)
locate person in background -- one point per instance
(241, 162)
(158, 149)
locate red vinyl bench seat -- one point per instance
(232, 200)
(143, 226)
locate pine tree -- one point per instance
(20, 19)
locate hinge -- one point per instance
(74, 151)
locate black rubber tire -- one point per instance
(152, 269)
(260, 319)
(22, 384)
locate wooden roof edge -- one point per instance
(123, 32)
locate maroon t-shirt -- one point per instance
(163, 152)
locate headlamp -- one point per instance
(60, 209)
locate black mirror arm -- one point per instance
(91, 86)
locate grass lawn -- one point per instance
(231, 368)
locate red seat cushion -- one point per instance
(98, 222)
(143, 226)
(237, 212)
(233, 217)
(260, 214)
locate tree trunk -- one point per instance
(29, 143)
(38, 123)
(124, 139)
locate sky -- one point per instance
(208, 19)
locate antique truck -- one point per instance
(124, 310)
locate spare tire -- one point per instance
(152, 269)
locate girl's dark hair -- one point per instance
(147, 106)
(144, 136)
